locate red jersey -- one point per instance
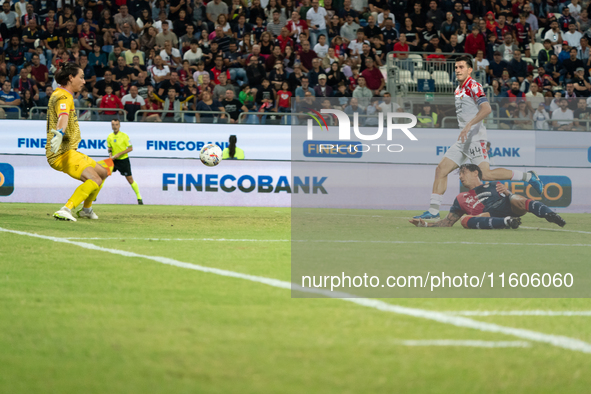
(283, 42)
(398, 47)
(216, 74)
(284, 97)
(300, 27)
(111, 101)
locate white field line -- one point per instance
(327, 241)
(469, 343)
(556, 229)
(458, 321)
(520, 313)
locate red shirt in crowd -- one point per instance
(216, 74)
(373, 78)
(283, 99)
(474, 44)
(111, 101)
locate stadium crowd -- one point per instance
(251, 55)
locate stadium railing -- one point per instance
(186, 116)
(83, 114)
(9, 113)
(405, 76)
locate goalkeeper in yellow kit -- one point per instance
(63, 137)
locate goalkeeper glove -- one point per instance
(56, 141)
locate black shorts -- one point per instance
(123, 166)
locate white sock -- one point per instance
(507, 221)
(521, 176)
(87, 210)
(435, 203)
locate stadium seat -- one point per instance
(442, 78)
(422, 74)
(417, 60)
(404, 76)
(528, 60)
(536, 48)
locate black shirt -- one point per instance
(167, 85)
(118, 74)
(370, 32)
(70, 39)
(53, 38)
(232, 107)
(32, 35)
(102, 84)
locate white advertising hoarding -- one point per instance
(273, 184)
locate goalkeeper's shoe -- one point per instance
(427, 215)
(87, 215)
(512, 222)
(64, 214)
(536, 183)
(553, 217)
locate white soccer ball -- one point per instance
(211, 155)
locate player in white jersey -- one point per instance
(472, 107)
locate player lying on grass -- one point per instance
(487, 206)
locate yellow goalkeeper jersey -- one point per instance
(62, 102)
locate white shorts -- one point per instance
(474, 151)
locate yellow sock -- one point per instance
(81, 193)
(136, 189)
(92, 196)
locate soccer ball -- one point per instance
(211, 155)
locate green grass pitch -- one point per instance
(74, 320)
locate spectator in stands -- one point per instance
(518, 67)
(354, 107)
(566, 19)
(362, 92)
(126, 36)
(546, 53)
(572, 63)
(21, 82)
(219, 91)
(278, 75)
(534, 97)
(89, 74)
(410, 32)
(304, 88)
(121, 70)
(554, 69)
(9, 98)
(9, 21)
(148, 39)
(172, 83)
(508, 48)
(110, 100)
(132, 103)
(265, 97)
(166, 35)
(317, 19)
(573, 37)
(322, 89)
(581, 85)
(474, 41)
(27, 103)
(39, 72)
(315, 71)
(99, 89)
(554, 35)
(583, 53)
(373, 77)
(171, 56)
(349, 29)
(562, 117)
(232, 106)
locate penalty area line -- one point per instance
(560, 230)
(440, 317)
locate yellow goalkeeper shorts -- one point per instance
(73, 163)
